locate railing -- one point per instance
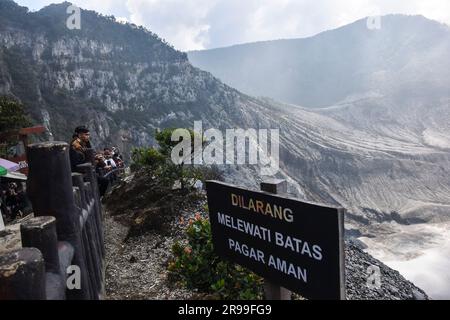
(118, 172)
(62, 254)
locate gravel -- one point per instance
(137, 267)
(363, 285)
(141, 230)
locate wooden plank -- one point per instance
(32, 130)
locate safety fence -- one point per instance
(62, 254)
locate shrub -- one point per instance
(146, 157)
(159, 161)
(12, 117)
(204, 173)
(196, 266)
(12, 114)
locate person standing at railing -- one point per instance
(79, 147)
(101, 168)
(109, 159)
(111, 163)
(117, 157)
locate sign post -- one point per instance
(293, 245)
(2, 224)
(273, 291)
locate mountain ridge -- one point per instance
(345, 61)
(361, 20)
(375, 160)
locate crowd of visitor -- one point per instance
(108, 163)
(13, 200)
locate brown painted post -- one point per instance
(22, 275)
(273, 291)
(40, 233)
(50, 190)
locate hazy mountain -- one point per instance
(373, 132)
(408, 54)
(381, 151)
(388, 97)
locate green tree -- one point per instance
(12, 117)
(185, 175)
(160, 162)
(146, 157)
(165, 142)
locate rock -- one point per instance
(417, 295)
(359, 243)
(360, 286)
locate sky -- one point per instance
(206, 24)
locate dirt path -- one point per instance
(136, 269)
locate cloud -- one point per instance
(200, 24)
(183, 23)
(122, 20)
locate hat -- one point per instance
(81, 129)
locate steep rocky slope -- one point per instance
(124, 82)
(120, 80)
(373, 132)
(136, 265)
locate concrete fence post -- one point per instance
(93, 224)
(90, 176)
(50, 190)
(40, 233)
(49, 186)
(77, 181)
(91, 238)
(22, 275)
(273, 291)
(90, 156)
(86, 243)
(2, 224)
